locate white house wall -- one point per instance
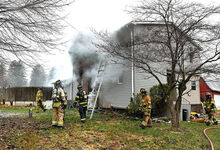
(193, 96)
(142, 80)
(116, 94)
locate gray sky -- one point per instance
(100, 15)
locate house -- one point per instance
(117, 92)
(211, 86)
(123, 80)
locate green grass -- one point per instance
(12, 109)
(107, 130)
(214, 137)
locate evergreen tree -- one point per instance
(38, 76)
(16, 74)
(3, 78)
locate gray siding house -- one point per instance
(117, 93)
(121, 81)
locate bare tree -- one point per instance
(38, 76)
(182, 43)
(30, 27)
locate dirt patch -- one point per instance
(12, 128)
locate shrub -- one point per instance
(134, 108)
(158, 100)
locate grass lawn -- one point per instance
(106, 131)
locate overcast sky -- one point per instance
(100, 15)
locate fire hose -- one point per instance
(208, 137)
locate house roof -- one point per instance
(214, 85)
(212, 82)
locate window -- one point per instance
(193, 85)
(120, 79)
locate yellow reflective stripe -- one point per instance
(56, 104)
(54, 122)
(77, 96)
(83, 119)
(83, 103)
(60, 123)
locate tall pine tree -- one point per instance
(17, 74)
(38, 76)
(3, 78)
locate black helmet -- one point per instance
(208, 95)
(79, 87)
(57, 83)
(142, 90)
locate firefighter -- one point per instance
(82, 99)
(146, 108)
(59, 104)
(209, 107)
(39, 100)
(64, 105)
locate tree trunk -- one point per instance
(181, 89)
(178, 109)
(172, 101)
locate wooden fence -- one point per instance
(23, 94)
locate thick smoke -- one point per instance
(84, 58)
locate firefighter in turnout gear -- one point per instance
(64, 105)
(82, 99)
(146, 108)
(210, 108)
(59, 102)
(39, 101)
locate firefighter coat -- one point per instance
(82, 98)
(146, 103)
(58, 97)
(39, 96)
(209, 106)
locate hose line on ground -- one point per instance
(208, 137)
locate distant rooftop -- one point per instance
(213, 83)
(214, 86)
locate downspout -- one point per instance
(132, 62)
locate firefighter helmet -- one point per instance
(208, 95)
(142, 90)
(79, 87)
(58, 83)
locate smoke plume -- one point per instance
(84, 58)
